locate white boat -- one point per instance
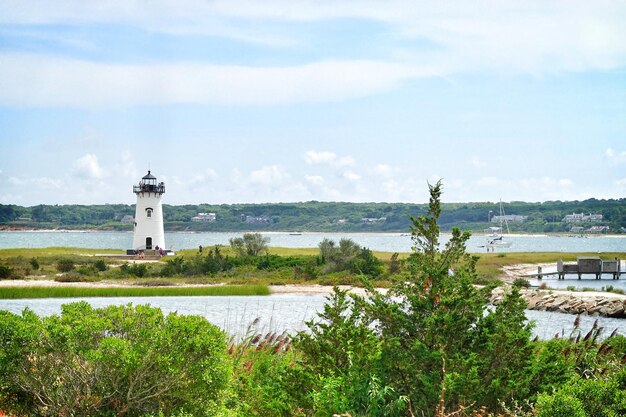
(495, 238)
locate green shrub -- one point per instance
(560, 405)
(100, 265)
(34, 263)
(138, 270)
(119, 360)
(86, 270)
(521, 283)
(6, 271)
(65, 265)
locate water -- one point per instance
(388, 242)
(281, 312)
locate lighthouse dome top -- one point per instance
(149, 176)
(149, 184)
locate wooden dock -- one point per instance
(584, 266)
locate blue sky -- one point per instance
(285, 100)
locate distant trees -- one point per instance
(251, 244)
(319, 216)
(348, 255)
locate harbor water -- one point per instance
(387, 242)
(283, 312)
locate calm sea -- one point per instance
(388, 242)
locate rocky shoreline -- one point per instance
(572, 302)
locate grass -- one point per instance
(83, 292)
(489, 266)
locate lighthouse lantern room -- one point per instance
(148, 232)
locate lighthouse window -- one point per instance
(149, 212)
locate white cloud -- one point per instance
(315, 179)
(88, 167)
(328, 158)
(477, 162)
(268, 176)
(383, 170)
(489, 182)
(546, 183)
(615, 158)
(37, 80)
(199, 181)
(351, 176)
(316, 157)
(516, 36)
(39, 183)
(621, 183)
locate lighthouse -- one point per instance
(148, 232)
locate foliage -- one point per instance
(65, 265)
(585, 397)
(264, 379)
(6, 271)
(120, 359)
(34, 263)
(339, 359)
(212, 263)
(137, 270)
(100, 265)
(251, 244)
(348, 256)
(429, 342)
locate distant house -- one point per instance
(508, 218)
(128, 219)
(372, 220)
(204, 217)
(582, 217)
(23, 219)
(257, 219)
(577, 229)
(598, 229)
(342, 221)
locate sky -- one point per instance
(238, 101)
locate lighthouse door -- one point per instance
(148, 243)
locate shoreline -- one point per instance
(12, 229)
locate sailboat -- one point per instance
(495, 239)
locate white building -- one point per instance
(582, 217)
(204, 217)
(149, 232)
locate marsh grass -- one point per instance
(84, 292)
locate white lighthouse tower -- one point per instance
(148, 214)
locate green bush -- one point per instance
(559, 405)
(521, 283)
(6, 271)
(120, 360)
(34, 263)
(138, 270)
(273, 262)
(100, 265)
(65, 265)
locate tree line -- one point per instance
(319, 216)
